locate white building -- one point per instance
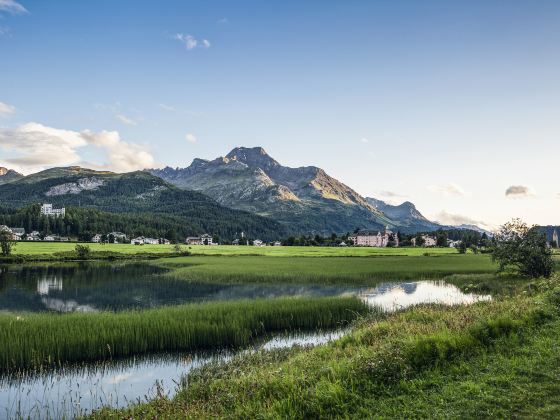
(258, 242)
(151, 241)
(49, 238)
(48, 210)
(17, 233)
(200, 240)
(137, 241)
(374, 238)
(96, 238)
(277, 243)
(33, 236)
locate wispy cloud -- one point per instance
(364, 140)
(190, 138)
(519, 191)
(6, 109)
(125, 120)
(391, 194)
(166, 107)
(223, 20)
(11, 6)
(37, 147)
(449, 189)
(190, 42)
(451, 219)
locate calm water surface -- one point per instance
(69, 392)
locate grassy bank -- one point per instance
(325, 270)
(424, 362)
(46, 339)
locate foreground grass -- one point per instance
(325, 270)
(41, 340)
(490, 359)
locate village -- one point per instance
(361, 238)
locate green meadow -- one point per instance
(49, 248)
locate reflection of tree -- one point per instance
(105, 286)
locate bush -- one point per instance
(83, 251)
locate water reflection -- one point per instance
(104, 286)
(395, 296)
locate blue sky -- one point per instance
(446, 104)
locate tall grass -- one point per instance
(38, 340)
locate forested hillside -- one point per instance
(134, 203)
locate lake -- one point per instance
(67, 287)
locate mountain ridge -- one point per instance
(305, 199)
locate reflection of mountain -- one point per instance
(409, 288)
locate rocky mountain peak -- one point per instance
(253, 156)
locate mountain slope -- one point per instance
(135, 193)
(8, 175)
(305, 200)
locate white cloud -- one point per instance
(223, 20)
(190, 42)
(190, 138)
(37, 147)
(450, 219)
(125, 120)
(450, 189)
(6, 109)
(364, 140)
(11, 6)
(121, 156)
(519, 191)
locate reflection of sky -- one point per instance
(394, 296)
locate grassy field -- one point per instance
(45, 248)
(349, 270)
(46, 339)
(493, 359)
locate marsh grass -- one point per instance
(33, 341)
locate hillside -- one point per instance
(8, 175)
(305, 199)
(135, 193)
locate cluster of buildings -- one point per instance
(18, 234)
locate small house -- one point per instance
(258, 242)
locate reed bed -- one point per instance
(34, 341)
